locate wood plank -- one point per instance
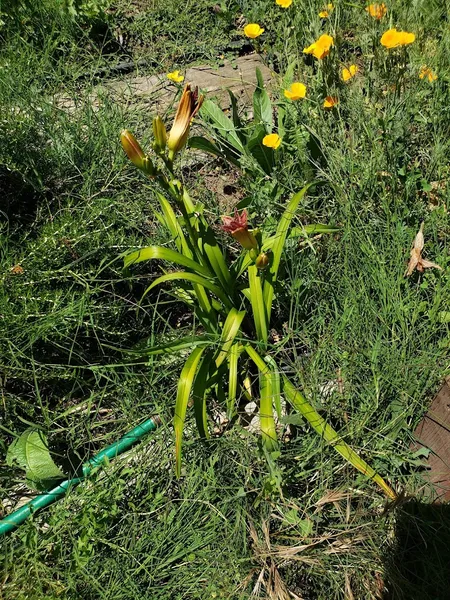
(433, 432)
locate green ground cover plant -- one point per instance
(367, 346)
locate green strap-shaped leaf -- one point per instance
(278, 246)
(303, 231)
(194, 278)
(199, 394)
(268, 432)
(207, 314)
(185, 384)
(233, 358)
(173, 226)
(258, 307)
(312, 229)
(332, 437)
(215, 256)
(157, 252)
(229, 332)
(276, 384)
(183, 343)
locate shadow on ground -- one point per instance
(418, 567)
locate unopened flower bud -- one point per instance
(132, 148)
(188, 107)
(160, 135)
(262, 261)
(135, 153)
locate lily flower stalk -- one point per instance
(188, 107)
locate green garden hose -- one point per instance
(20, 515)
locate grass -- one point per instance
(71, 205)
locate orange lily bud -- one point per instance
(160, 135)
(188, 107)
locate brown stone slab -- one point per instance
(157, 93)
(433, 432)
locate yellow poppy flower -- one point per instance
(272, 140)
(428, 73)
(253, 30)
(284, 3)
(377, 11)
(175, 76)
(349, 73)
(296, 91)
(330, 102)
(324, 14)
(393, 38)
(321, 47)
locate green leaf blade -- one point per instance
(185, 384)
(157, 252)
(331, 436)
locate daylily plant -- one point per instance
(231, 295)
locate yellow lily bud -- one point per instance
(160, 135)
(135, 153)
(188, 107)
(262, 261)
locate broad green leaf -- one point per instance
(264, 156)
(185, 384)
(233, 358)
(278, 246)
(222, 123)
(193, 278)
(268, 432)
(331, 436)
(229, 332)
(157, 252)
(30, 452)
(262, 106)
(258, 307)
(222, 148)
(283, 107)
(199, 391)
(236, 118)
(203, 144)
